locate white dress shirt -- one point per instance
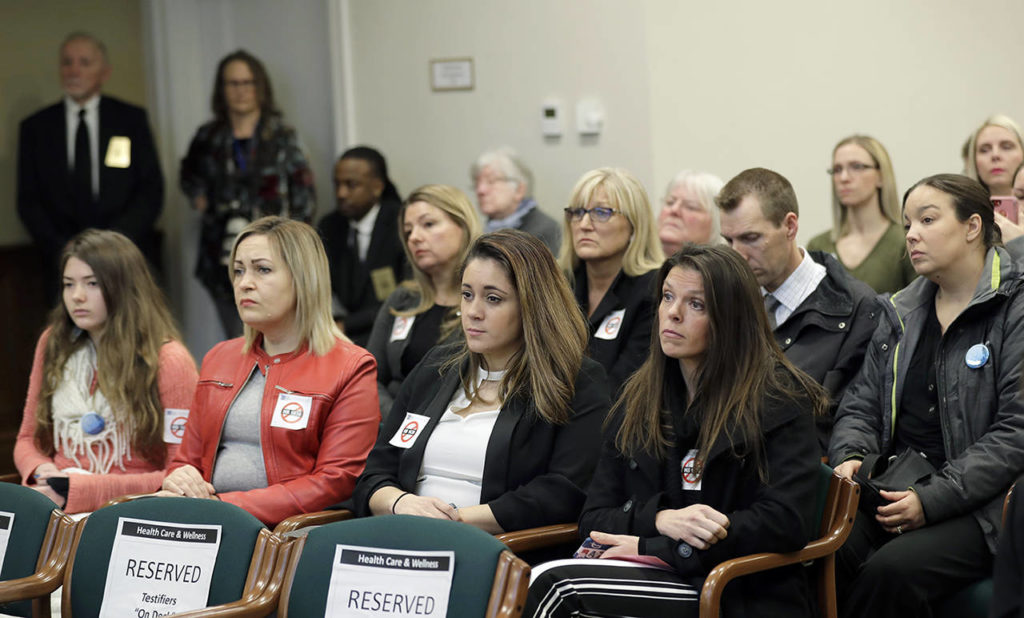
(800, 284)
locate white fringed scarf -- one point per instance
(71, 401)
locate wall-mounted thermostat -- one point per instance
(551, 124)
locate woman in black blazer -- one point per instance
(501, 430)
(711, 454)
(611, 253)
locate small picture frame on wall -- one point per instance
(451, 74)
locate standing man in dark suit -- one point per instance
(361, 239)
(88, 160)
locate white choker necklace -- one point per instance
(482, 375)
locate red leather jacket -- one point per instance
(307, 469)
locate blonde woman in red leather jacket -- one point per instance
(293, 394)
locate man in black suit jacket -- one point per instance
(361, 239)
(88, 160)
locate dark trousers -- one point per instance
(880, 574)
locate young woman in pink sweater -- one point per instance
(111, 382)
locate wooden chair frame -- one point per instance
(50, 567)
(259, 593)
(316, 518)
(836, 524)
(508, 592)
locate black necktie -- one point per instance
(83, 160)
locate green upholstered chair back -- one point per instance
(476, 558)
(87, 576)
(31, 515)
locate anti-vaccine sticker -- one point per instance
(409, 431)
(292, 411)
(400, 329)
(175, 420)
(158, 568)
(609, 328)
(395, 583)
(690, 471)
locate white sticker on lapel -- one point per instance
(609, 328)
(409, 430)
(403, 324)
(174, 425)
(690, 471)
(292, 411)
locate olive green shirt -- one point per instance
(886, 269)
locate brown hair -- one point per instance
(772, 190)
(127, 355)
(970, 197)
(555, 334)
(742, 368)
(261, 82)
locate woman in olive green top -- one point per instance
(867, 234)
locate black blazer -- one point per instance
(534, 472)
(130, 199)
(627, 350)
(627, 493)
(350, 278)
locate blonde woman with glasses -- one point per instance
(866, 234)
(611, 254)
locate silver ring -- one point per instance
(899, 529)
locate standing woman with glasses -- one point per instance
(866, 233)
(243, 165)
(612, 254)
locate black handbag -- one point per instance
(895, 473)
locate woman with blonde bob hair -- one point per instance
(106, 368)
(437, 224)
(283, 417)
(867, 231)
(688, 212)
(611, 252)
(509, 417)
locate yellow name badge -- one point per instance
(119, 152)
(383, 282)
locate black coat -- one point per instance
(622, 354)
(351, 280)
(627, 493)
(534, 473)
(828, 334)
(129, 201)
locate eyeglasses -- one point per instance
(597, 213)
(853, 168)
(239, 83)
(489, 180)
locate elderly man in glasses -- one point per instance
(822, 317)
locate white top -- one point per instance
(364, 231)
(453, 460)
(92, 122)
(800, 284)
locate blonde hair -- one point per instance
(626, 195)
(995, 120)
(888, 196)
(453, 203)
(555, 333)
(127, 355)
(300, 248)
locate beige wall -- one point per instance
(30, 33)
(523, 52)
(715, 86)
(743, 84)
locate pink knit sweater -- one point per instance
(87, 492)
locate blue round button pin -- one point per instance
(92, 423)
(977, 356)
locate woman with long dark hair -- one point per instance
(111, 383)
(244, 164)
(710, 453)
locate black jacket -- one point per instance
(627, 493)
(829, 332)
(129, 201)
(351, 280)
(627, 349)
(534, 472)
